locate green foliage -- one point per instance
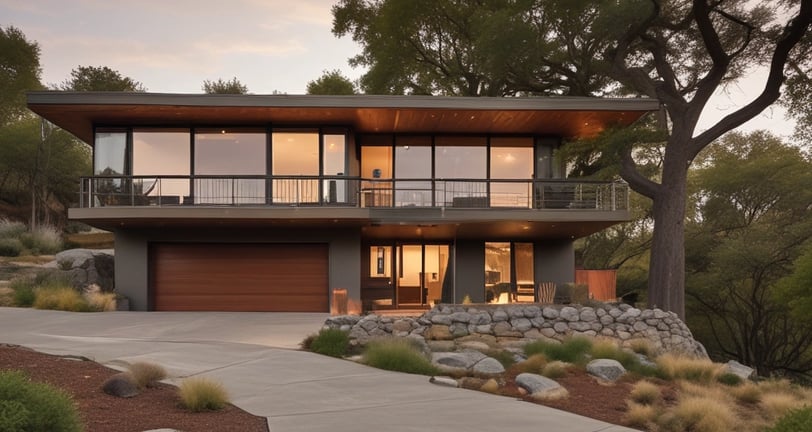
(10, 229)
(331, 83)
(506, 358)
(202, 394)
(234, 86)
(30, 406)
(10, 247)
(19, 73)
(729, 379)
(794, 421)
(99, 78)
(572, 350)
(398, 354)
(331, 342)
(24, 295)
(43, 240)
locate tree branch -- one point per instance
(637, 181)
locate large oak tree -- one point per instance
(679, 51)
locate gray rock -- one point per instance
(740, 370)
(615, 312)
(536, 384)
(86, 267)
(402, 325)
(607, 319)
(488, 366)
(532, 311)
(500, 315)
(645, 361)
(441, 319)
(480, 318)
(549, 313)
(640, 326)
(461, 317)
(458, 330)
(444, 381)
(441, 345)
(580, 326)
(561, 327)
(607, 369)
(588, 314)
(475, 345)
(569, 313)
(502, 328)
(521, 324)
(457, 360)
(120, 385)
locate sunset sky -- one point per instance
(172, 46)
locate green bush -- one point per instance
(24, 296)
(10, 247)
(729, 379)
(331, 342)
(10, 229)
(42, 240)
(29, 406)
(794, 421)
(398, 354)
(572, 350)
(202, 394)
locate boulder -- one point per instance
(84, 267)
(120, 385)
(488, 366)
(457, 360)
(740, 370)
(537, 385)
(607, 369)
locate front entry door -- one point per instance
(420, 274)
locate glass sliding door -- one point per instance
(413, 166)
(334, 163)
(376, 170)
(109, 159)
(509, 272)
(458, 163)
(295, 154)
(221, 154)
(421, 271)
(511, 159)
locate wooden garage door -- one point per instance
(239, 277)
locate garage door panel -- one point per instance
(249, 277)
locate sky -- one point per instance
(172, 46)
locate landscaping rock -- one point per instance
(607, 369)
(120, 385)
(488, 366)
(740, 370)
(475, 345)
(457, 360)
(438, 332)
(536, 385)
(84, 267)
(444, 381)
(490, 386)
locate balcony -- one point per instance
(354, 192)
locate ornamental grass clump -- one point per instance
(572, 350)
(146, 374)
(645, 393)
(794, 421)
(202, 394)
(101, 302)
(699, 414)
(63, 298)
(398, 354)
(31, 406)
(331, 342)
(687, 368)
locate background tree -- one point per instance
(99, 78)
(19, 72)
(331, 83)
(233, 86)
(751, 223)
(680, 52)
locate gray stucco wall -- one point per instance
(554, 261)
(132, 246)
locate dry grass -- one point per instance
(645, 393)
(534, 364)
(146, 374)
(748, 393)
(92, 240)
(775, 405)
(702, 414)
(60, 298)
(691, 369)
(102, 302)
(555, 369)
(202, 394)
(640, 416)
(642, 346)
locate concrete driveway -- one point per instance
(255, 356)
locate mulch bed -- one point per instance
(154, 408)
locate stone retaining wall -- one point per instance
(512, 324)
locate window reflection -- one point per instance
(457, 158)
(221, 152)
(511, 159)
(412, 162)
(161, 153)
(295, 154)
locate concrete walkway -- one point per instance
(255, 356)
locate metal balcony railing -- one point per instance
(138, 191)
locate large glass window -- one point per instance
(228, 153)
(110, 159)
(412, 163)
(457, 161)
(295, 154)
(511, 159)
(509, 272)
(376, 170)
(161, 153)
(334, 163)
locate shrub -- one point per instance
(794, 421)
(11, 229)
(606, 349)
(642, 346)
(776, 405)
(60, 298)
(398, 354)
(202, 394)
(146, 374)
(691, 369)
(639, 416)
(645, 393)
(729, 379)
(101, 302)
(31, 406)
(42, 240)
(701, 414)
(331, 342)
(10, 247)
(24, 295)
(572, 350)
(555, 369)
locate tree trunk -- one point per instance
(666, 278)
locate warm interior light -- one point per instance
(223, 131)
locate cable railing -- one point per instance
(165, 191)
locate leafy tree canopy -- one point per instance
(99, 78)
(19, 72)
(331, 83)
(233, 86)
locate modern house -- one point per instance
(270, 203)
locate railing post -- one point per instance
(614, 197)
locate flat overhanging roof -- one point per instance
(79, 112)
